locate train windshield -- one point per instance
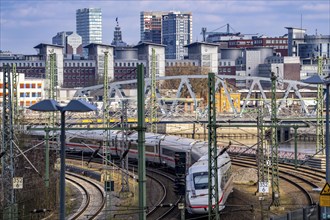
(201, 180)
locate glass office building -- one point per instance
(89, 25)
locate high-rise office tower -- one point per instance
(89, 25)
(177, 32)
(173, 29)
(151, 26)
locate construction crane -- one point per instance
(227, 33)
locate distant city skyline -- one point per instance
(25, 24)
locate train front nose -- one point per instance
(198, 202)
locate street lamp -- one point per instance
(49, 105)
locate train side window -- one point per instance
(168, 152)
(150, 149)
(133, 146)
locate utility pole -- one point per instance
(319, 110)
(274, 146)
(212, 152)
(106, 136)
(153, 99)
(15, 97)
(141, 144)
(9, 205)
(124, 159)
(260, 152)
(52, 116)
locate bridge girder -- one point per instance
(255, 85)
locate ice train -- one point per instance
(162, 149)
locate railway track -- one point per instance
(160, 181)
(93, 197)
(169, 202)
(304, 179)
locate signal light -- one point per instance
(180, 186)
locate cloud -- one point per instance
(40, 20)
(316, 7)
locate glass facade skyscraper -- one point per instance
(151, 26)
(173, 29)
(177, 32)
(89, 25)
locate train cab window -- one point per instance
(167, 152)
(201, 180)
(150, 149)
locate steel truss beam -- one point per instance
(291, 87)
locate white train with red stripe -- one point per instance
(162, 149)
(197, 196)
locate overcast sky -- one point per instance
(26, 23)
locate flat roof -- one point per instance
(149, 43)
(44, 44)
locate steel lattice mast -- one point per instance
(212, 152)
(15, 97)
(51, 77)
(153, 101)
(106, 136)
(260, 151)
(141, 144)
(124, 159)
(319, 111)
(274, 146)
(7, 149)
